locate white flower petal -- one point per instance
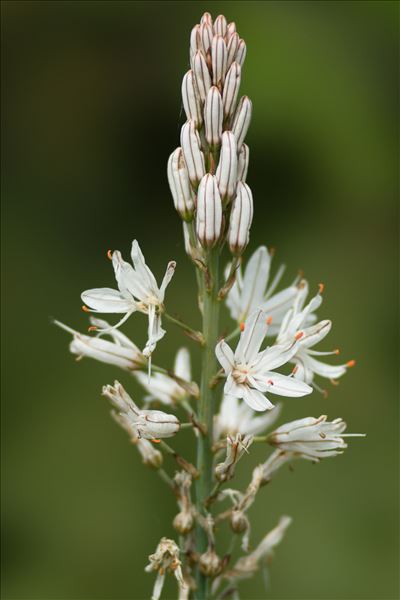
(256, 400)
(225, 356)
(255, 281)
(107, 300)
(182, 364)
(284, 385)
(251, 338)
(167, 278)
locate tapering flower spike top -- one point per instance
(297, 318)
(250, 372)
(137, 291)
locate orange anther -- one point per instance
(270, 382)
(299, 335)
(92, 328)
(295, 369)
(241, 326)
(269, 320)
(85, 309)
(321, 287)
(155, 441)
(337, 351)
(109, 254)
(350, 363)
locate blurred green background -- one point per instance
(91, 111)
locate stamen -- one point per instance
(336, 351)
(322, 435)
(269, 320)
(299, 335)
(321, 287)
(241, 326)
(334, 382)
(155, 441)
(92, 328)
(350, 363)
(270, 382)
(85, 309)
(295, 369)
(272, 251)
(109, 254)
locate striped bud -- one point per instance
(243, 162)
(242, 119)
(195, 41)
(227, 167)
(220, 25)
(231, 89)
(218, 59)
(179, 183)
(213, 116)
(209, 212)
(206, 36)
(206, 18)
(191, 147)
(191, 99)
(231, 49)
(202, 75)
(230, 30)
(241, 52)
(240, 219)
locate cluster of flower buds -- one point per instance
(207, 173)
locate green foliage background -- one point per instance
(91, 111)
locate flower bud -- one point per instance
(210, 563)
(231, 89)
(241, 52)
(239, 521)
(226, 173)
(220, 25)
(234, 452)
(230, 30)
(209, 212)
(150, 455)
(232, 47)
(178, 179)
(191, 99)
(213, 116)
(195, 41)
(243, 163)
(191, 147)
(202, 75)
(218, 60)
(206, 18)
(206, 36)
(242, 120)
(240, 219)
(183, 522)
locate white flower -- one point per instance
(150, 455)
(137, 291)
(235, 448)
(121, 352)
(164, 388)
(237, 417)
(251, 291)
(312, 438)
(247, 565)
(250, 372)
(165, 559)
(149, 424)
(297, 318)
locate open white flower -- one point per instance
(237, 417)
(297, 319)
(165, 388)
(121, 351)
(137, 291)
(250, 372)
(251, 291)
(312, 438)
(149, 424)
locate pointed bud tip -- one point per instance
(109, 254)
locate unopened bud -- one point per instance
(213, 116)
(195, 41)
(231, 89)
(178, 179)
(242, 120)
(150, 455)
(202, 75)
(218, 59)
(239, 521)
(210, 564)
(230, 30)
(206, 36)
(232, 47)
(206, 18)
(240, 219)
(191, 147)
(241, 52)
(209, 212)
(183, 522)
(220, 25)
(226, 173)
(191, 99)
(243, 162)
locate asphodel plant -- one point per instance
(271, 350)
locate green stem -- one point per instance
(189, 331)
(204, 484)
